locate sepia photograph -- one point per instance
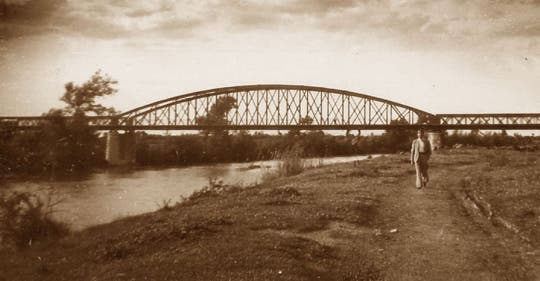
(230, 140)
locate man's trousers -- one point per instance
(421, 166)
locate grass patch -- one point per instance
(505, 185)
(365, 171)
(139, 240)
(304, 249)
(498, 160)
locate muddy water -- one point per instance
(110, 195)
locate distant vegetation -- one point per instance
(38, 154)
(155, 150)
(477, 138)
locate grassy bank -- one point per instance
(357, 221)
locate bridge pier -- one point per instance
(120, 148)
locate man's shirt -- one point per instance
(421, 146)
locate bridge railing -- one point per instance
(490, 121)
(444, 122)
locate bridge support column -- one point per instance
(435, 139)
(120, 148)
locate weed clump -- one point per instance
(287, 191)
(214, 188)
(26, 218)
(165, 205)
(291, 163)
(282, 196)
(498, 160)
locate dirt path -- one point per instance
(438, 239)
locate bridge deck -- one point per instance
(447, 122)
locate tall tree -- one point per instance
(218, 141)
(398, 139)
(81, 99)
(74, 146)
(217, 116)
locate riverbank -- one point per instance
(477, 220)
(107, 196)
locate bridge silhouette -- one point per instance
(286, 107)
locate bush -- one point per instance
(165, 205)
(215, 187)
(291, 163)
(287, 191)
(26, 218)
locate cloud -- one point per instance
(27, 17)
(442, 22)
(412, 22)
(317, 7)
(94, 18)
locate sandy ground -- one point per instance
(357, 221)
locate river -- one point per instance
(110, 195)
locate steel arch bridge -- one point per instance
(284, 107)
(276, 107)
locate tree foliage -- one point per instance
(398, 139)
(217, 140)
(81, 99)
(74, 146)
(63, 146)
(217, 115)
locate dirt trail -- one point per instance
(437, 239)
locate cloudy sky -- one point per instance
(459, 56)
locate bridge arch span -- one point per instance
(276, 106)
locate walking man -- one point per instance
(420, 153)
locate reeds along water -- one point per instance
(291, 163)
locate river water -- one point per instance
(110, 195)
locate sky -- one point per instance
(446, 56)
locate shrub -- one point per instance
(25, 218)
(287, 191)
(214, 188)
(165, 205)
(291, 163)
